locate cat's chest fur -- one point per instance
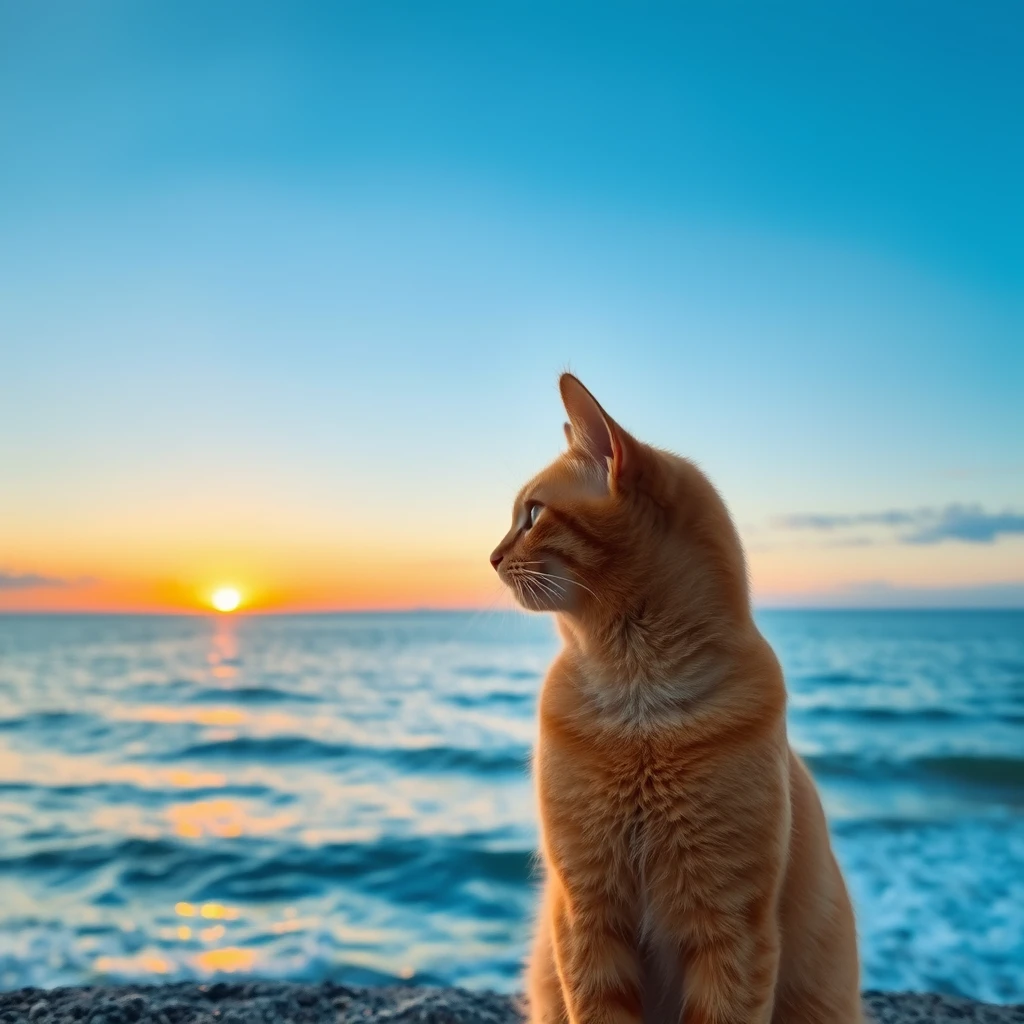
(651, 806)
(643, 797)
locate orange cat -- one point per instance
(689, 876)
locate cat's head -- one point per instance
(614, 525)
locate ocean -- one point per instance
(346, 796)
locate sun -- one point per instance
(226, 599)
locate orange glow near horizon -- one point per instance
(271, 578)
(354, 583)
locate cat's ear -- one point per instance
(593, 433)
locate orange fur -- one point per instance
(688, 871)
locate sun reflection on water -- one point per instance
(223, 656)
(146, 962)
(230, 960)
(224, 819)
(211, 911)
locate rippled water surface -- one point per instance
(346, 796)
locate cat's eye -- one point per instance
(533, 510)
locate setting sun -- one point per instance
(226, 599)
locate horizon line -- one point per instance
(427, 610)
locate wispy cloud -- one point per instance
(31, 581)
(969, 523)
(811, 521)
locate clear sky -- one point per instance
(285, 289)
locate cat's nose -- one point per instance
(496, 558)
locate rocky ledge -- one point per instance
(282, 1003)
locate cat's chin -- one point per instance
(532, 603)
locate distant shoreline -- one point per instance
(366, 612)
(267, 1002)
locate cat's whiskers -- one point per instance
(549, 588)
(533, 581)
(535, 572)
(564, 579)
(530, 584)
(520, 583)
(534, 589)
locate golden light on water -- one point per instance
(227, 960)
(226, 599)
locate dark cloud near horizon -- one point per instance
(968, 523)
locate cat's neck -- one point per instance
(643, 675)
(647, 643)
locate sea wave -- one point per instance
(347, 796)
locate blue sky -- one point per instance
(285, 289)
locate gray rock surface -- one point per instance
(282, 1003)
